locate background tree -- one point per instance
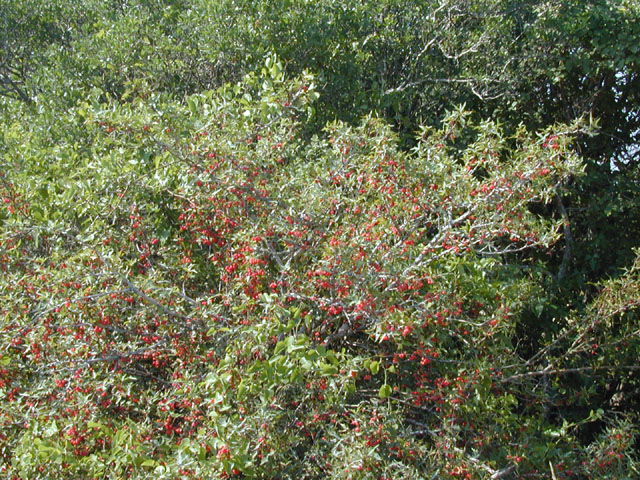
(217, 263)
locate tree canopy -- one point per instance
(329, 239)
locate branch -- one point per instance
(153, 301)
(11, 86)
(566, 257)
(564, 371)
(503, 473)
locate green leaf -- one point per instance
(192, 105)
(374, 367)
(328, 369)
(385, 391)
(51, 430)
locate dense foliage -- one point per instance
(329, 239)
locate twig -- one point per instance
(563, 371)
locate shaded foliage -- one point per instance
(263, 240)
